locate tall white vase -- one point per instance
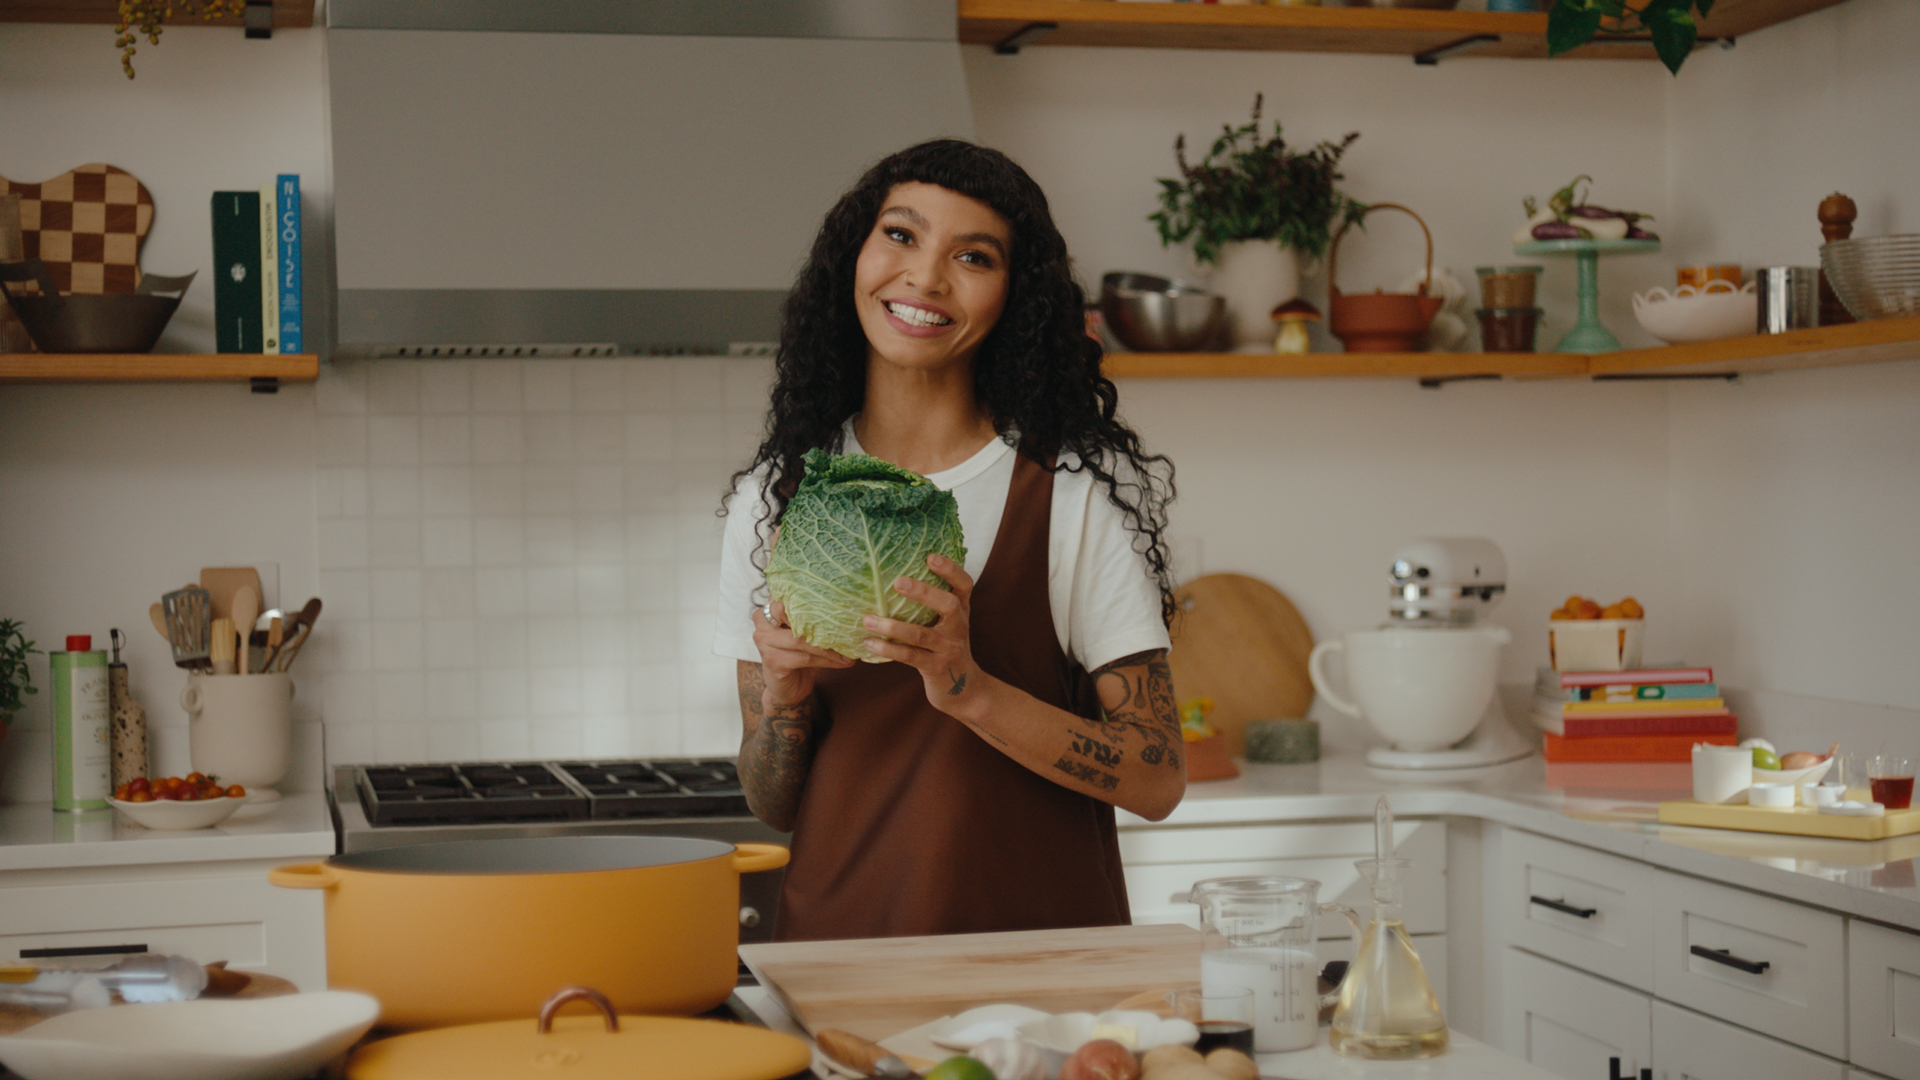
(1255, 276)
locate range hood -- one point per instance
(608, 177)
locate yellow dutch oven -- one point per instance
(479, 930)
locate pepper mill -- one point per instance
(1836, 223)
(128, 733)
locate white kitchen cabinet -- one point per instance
(1588, 908)
(1569, 1023)
(1763, 963)
(208, 911)
(1161, 864)
(1689, 1046)
(1883, 999)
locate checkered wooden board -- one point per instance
(87, 225)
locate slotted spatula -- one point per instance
(189, 613)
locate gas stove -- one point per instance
(381, 806)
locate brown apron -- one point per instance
(912, 824)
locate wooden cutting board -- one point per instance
(876, 987)
(1239, 641)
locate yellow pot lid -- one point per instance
(581, 1048)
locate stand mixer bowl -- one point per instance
(1421, 687)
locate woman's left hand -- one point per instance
(942, 652)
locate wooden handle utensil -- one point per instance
(870, 1058)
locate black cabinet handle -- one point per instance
(1725, 956)
(1563, 906)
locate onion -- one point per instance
(1806, 759)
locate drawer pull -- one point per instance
(1725, 956)
(1563, 906)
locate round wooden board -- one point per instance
(14, 1018)
(1239, 641)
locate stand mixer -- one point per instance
(1426, 679)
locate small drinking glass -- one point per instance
(1891, 778)
(1850, 770)
(1224, 1016)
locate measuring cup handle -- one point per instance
(1317, 671)
(1359, 935)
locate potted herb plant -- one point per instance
(16, 679)
(1251, 207)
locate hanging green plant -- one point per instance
(1573, 23)
(1252, 187)
(146, 18)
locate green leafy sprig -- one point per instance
(1251, 187)
(16, 679)
(1573, 23)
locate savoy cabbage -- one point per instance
(854, 525)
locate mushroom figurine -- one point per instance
(1293, 317)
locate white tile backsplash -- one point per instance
(513, 554)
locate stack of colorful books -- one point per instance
(1643, 714)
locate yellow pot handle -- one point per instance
(311, 875)
(750, 857)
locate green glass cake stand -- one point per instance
(1588, 335)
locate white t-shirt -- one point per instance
(1106, 605)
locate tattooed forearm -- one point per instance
(959, 684)
(1138, 695)
(776, 750)
(1087, 774)
(1089, 747)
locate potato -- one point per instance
(1184, 1070)
(1101, 1059)
(1162, 1056)
(1232, 1064)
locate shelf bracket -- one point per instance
(1432, 57)
(265, 384)
(1435, 382)
(259, 18)
(1024, 36)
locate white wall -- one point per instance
(1764, 524)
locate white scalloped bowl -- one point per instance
(1689, 314)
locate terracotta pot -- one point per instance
(1381, 321)
(479, 930)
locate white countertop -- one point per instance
(34, 836)
(1610, 807)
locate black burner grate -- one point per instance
(487, 792)
(625, 789)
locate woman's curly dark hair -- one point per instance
(1037, 372)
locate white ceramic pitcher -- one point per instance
(1423, 688)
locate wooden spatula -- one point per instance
(246, 608)
(221, 582)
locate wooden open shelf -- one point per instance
(156, 367)
(1829, 346)
(289, 14)
(1380, 31)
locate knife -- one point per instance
(869, 1057)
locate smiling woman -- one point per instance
(936, 326)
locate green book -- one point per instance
(236, 272)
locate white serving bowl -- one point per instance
(169, 814)
(1690, 314)
(1809, 775)
(1059, 1036)
(276, 1038)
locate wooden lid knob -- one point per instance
(1836, 216)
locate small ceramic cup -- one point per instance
(1821, 794)
(1771, 796)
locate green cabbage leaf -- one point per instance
(854, 525)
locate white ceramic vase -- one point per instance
(1255, 276)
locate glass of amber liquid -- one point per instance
(1891, 779)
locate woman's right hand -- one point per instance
(788, 663)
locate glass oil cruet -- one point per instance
(1386, 1007)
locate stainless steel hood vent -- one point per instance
(608, 174)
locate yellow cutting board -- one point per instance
(876, 987)
(1797, 821)
(1239, 641)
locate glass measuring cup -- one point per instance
(1261, 933)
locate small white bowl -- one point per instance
(1690, 314)
(1771, 796)
(277, 1038)
(1809, 775)
(170, 815)
(1059, 1036)
(1822, 794)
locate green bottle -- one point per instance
(81, 732)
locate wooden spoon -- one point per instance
(158, 613)
(302, 627)
(246, 608)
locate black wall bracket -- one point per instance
(1024, 36)
(259, 18)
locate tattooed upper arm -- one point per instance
(1136, 693)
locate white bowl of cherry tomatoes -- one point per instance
(177, 802)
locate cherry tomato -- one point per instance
(139, 783)
(195, 778)
(140, 796)
(236, 792)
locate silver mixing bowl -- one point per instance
(1156, 314)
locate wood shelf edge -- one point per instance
(45, 368)
(287, 14)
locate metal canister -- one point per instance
(81, 754)
(1789, 298)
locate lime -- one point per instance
(1764, 758)
(960, 1067)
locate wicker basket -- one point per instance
(1877, 277)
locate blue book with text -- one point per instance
(292, 312)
